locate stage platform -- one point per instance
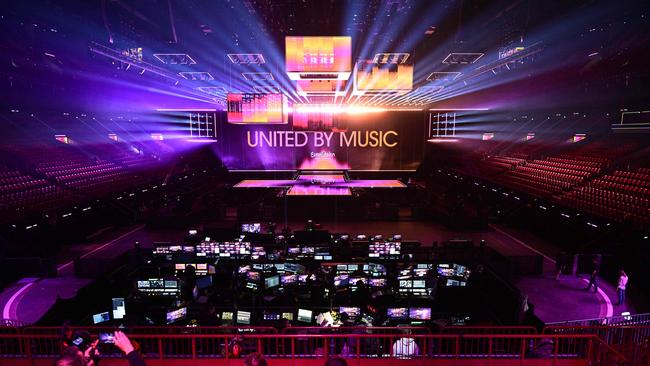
(320, 183)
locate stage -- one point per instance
(320, 183)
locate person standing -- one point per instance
(620, 288)
(593, 281)
(593, 277)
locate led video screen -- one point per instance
(369, 142)
(318, 55)
(257, 108)
(371, 77)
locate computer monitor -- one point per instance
(244, 317)
(288, 316)
(304, 315)
(419, 283)
(289, 279)
(101, 317)
(271, 315)
(119, 307)
(272, 281)
(251, 228)
(377, 282)
(397, 313)
(176, 315)
(352, 312)
(420, 313)
(251, 286)
(226, 315)
(254, 276)
(341, 280)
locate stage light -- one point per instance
(157, 136)
(442, 140)
(113, 137)
(488, 136)
(196, 75)
(62, 138)
(246, 58)
(390, 58)
(462, 58)
(174, 58)
(256, 76)
(443, 76)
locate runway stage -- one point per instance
(320, 183)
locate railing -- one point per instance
(157, 330)
(585, 348)
(356, 330)
(632, 341)
(462, 329)
(618, 320)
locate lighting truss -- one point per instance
(217, 91)
(174, 58)
(462, 58)
(390, 58)
(246, 58)
(196, 75)
(257, 76)
(266, 89)
(446, 76)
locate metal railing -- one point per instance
(631, 341)
(514, 347)
(618, 320)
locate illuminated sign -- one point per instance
(257, 108)
(387, 78)
(318, 57)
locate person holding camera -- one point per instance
(74, 356)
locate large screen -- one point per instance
(327, 141)
(321, 57)
(382, 78)
(257, 108)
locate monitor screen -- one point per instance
(176, 315)
(254, 276)
(272, 281)
(251, 228)
(420, 313)
(304, 316)
(397, 313)
(119, 308)
(341, 280)
(251, 285)
(243, 317)
(226, 315)
(179, 266)
(288, 316)
(289, 279)
(353, 312)
(270, 315)
(101, 317)
(419, 283)
(377, 282)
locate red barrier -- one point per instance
(356, 330)
(412, 347)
